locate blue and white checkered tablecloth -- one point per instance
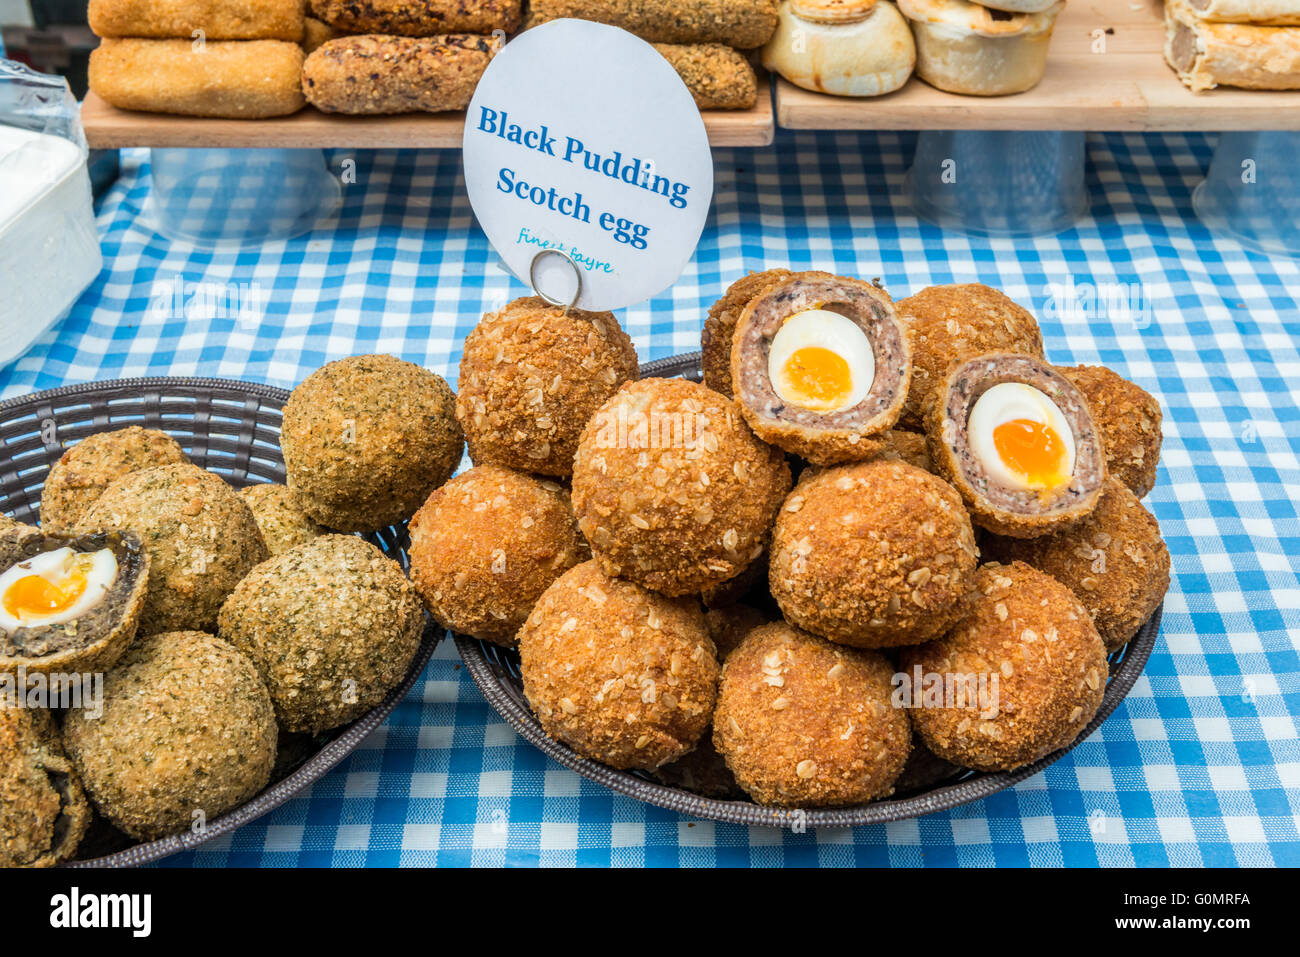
(1201, 764)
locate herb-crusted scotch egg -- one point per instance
(187, 733)
(43, 809)
(531, 376)
(1128, 418)
(200, 536)
(803, 722)
(367, 438)
(82, 473)
(671, 488)
(618, 673)
(875, 554)
(1017, 440)
(947, 325)
(68, 602)
(487, 544)
(1029, 634)
(1114, 561)
(820, 366)
(332, 627)
(280, 516)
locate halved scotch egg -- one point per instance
(820, 367)
(1018, 441)
(68, 602)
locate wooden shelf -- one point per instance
(109, 128)
(1127, 87)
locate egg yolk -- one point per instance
(1034, 450)
(35, 596)
(819, 378)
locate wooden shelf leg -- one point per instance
(1252, 191)
(212, 197)
(999, 183)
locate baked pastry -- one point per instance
(238, 79)
(216, 19)
(379, 74)
(966, 48)
(1262, 13)
(718, 77)
(427, 18)
(845, 47)
(1206, 55)
(743, 24)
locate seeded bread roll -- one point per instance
(217, 19)
(235, 79)
(743, 24)
(718, 77)
(389, 74)
(419, 18)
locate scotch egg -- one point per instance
(55, 587)
(1021, 438)
(821, 361)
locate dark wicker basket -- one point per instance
(232, 429)
(496, 672)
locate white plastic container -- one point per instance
(49, 250)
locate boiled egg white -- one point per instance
(1021, 438)
(821, 361)
(56, 587)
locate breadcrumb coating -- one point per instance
(617, 672)
(43, 809)
(744, 24)
(728, 626)
(187, 733)
(217, 19)
(672, 489)
(82, 473)
(280, 516)
(200, 536)
(873, 555)
(720, 326)
(367, 438)
(949, 324)
(1029, 632)
(803, 722)
(332, 627)
(487, 544)
(419, 18)
(1129, 420)
(531, 377)
(1115, 562)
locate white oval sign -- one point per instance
(582, 139)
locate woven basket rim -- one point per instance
(337, 748)
(943, 797)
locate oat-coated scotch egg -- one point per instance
(1027, 632)
(820, 367)
(69, 603)
(874, 554)
(1114, 561)
(82, 473)
(200, 536)
(617, 672)
(187, 733)
(949, 324)
(43, 809)
(803, 722)
(280, 516)
(1128, 418)
(487, 544)
(1017, 440)
(332, 626)
(720, 325)
(729, 625)
(531, 376)
(367, 438)
(672, 489)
